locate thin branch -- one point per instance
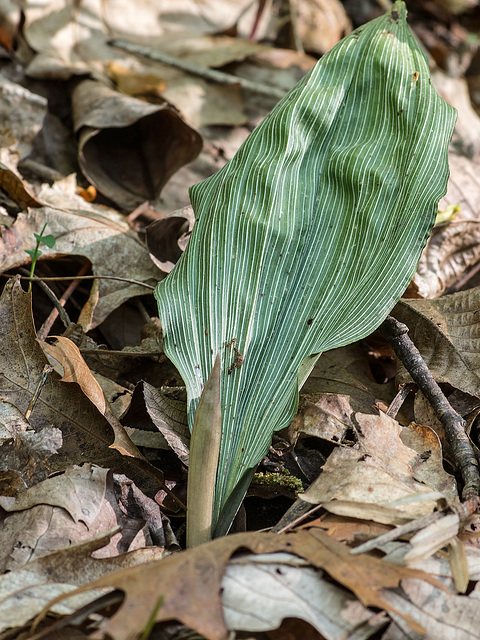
(399, 399)
(100, 277)
(47, 325)
(62, 314)
(397, 334)
(219, 77)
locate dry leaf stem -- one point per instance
(397, 334)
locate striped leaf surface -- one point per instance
(306, 239)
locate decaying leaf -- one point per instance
(445, 331)
(26, 590)
(381, 470)
(99, 234)
(128, 148)
(198, 572)
(307, 237)
(74, 369)
(85, 431)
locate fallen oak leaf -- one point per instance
(190, 581)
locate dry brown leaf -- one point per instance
(26, 590)
(170, 418)
(428, 465)
(321, 24)
(260, 591)
(443, 616)
(323, 415)
(67, 508)
(129, 148)
(52, 29)
(167, 238)
(453, 248)
(346, 371)
(74, 369)
(446, 331)
(99, 234)
(197, 575)
(63, 49)
(21, 114)
(86, 433)
(467, 128)
(17, 189)
(379, 471)
(24, 453)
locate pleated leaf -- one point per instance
(306, 239)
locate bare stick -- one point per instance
(219, 77)
(63, 315)
(397, 334)
(100, 277)
(47, 325)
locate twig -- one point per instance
(397, 334)
(59, 278)
(62, 314)
(47, 325)
(47, 370)
(220, 77)
(399, 399)
(398, 532)
(297, 512)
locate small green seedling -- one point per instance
(49, 241)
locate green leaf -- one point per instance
(305, 240)
(48, 240)
(33, 253)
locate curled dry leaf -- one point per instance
(454, 247)
(16, 189)
(167, 238)
(128, 148)
(74, 369)
(445, 331)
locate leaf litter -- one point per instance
(62, 489)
